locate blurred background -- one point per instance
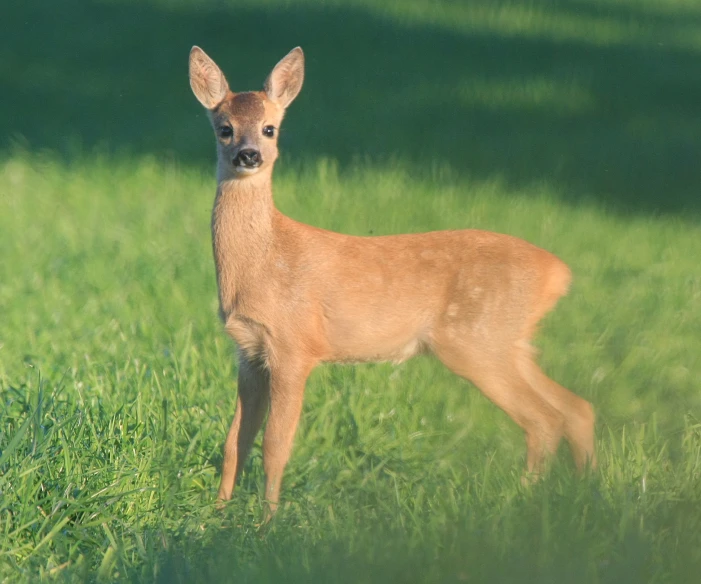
(600, 97)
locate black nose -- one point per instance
(248, 157)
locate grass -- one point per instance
(573, 125)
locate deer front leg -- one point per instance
(287, 383)
(251, 404)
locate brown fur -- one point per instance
(246, 107)
(293, 296)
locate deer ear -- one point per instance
(206, 79)
(285, 81)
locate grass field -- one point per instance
(574, 124)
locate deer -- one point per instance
(293, 296)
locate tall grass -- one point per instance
(572, 124)
(118, 388)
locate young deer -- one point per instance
(293, 296)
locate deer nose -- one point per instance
(248, 157)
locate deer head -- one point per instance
(246, 124)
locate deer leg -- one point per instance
(287, 384)
(500, 380)
(578, 413)
(251, 405)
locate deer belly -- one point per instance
(374, 340)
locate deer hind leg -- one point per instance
(500, 380)
(251, 405)
(578, 413)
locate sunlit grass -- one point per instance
(574, 125)
(594, 22)
(118, 387)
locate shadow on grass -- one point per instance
(617, 123)
(473, 549)
(564, 530)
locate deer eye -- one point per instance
(269, 131)
(226, 131)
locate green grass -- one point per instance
(576, 125)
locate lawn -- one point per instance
(573, 124)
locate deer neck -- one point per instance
(242, 237)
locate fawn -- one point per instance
(293, 296)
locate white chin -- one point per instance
(245, 171)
